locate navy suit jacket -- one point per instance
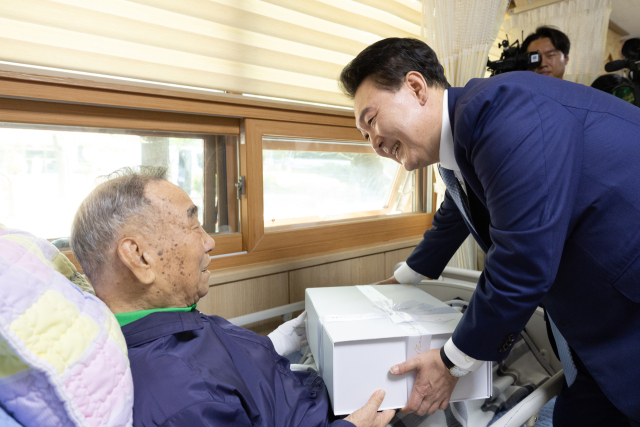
(552, 170)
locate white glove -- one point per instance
(290, 336)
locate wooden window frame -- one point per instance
(32, 112)
(275, 245)
(68, 101)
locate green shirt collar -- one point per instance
(132, 316)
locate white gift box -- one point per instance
(357, 333)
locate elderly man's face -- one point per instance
(553, 60)
(403, 125)
(179, 249)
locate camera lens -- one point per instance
(626, 93)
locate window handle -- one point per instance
(240, 186)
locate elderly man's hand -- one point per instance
(290, 336)
(368, 415)
(434, 384)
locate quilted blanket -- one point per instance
(63, 358)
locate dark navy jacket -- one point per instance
(552, 169)
(195, 370)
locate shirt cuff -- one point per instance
(405, 275)
(460, 359)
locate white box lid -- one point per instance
(351, 302)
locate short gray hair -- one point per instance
(102, 215)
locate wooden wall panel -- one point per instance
(391, 258)
(248, 296)
(356, 271)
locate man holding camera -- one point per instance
(553, 46)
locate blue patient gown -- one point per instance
(195, 370)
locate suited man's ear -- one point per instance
(418, 86)
(130, 252)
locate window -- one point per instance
(46, 172)
(326, 190)
(310, 182)
(207, 133)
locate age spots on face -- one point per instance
(159, 253)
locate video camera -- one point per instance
(512, 60)
(631, 51)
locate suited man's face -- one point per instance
(403, 125)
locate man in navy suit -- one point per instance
(545, 174)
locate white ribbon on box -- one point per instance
(407, 315)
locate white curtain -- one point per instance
(585, 22)
(461, 33)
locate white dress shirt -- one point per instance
(406, 274)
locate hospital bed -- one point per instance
(460, 283)
(100, 359)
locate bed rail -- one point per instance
(454, 273)
(284, 310)
(526, 412)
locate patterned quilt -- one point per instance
(63, 358)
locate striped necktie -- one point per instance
(566, 360)
(454, 188)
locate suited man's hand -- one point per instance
(434, 384)
(390, 281)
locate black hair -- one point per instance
(388, 61)
(631, 48)
(608, 82)
(559, 39)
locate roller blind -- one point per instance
(292, 49)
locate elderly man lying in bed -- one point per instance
(138, 239)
